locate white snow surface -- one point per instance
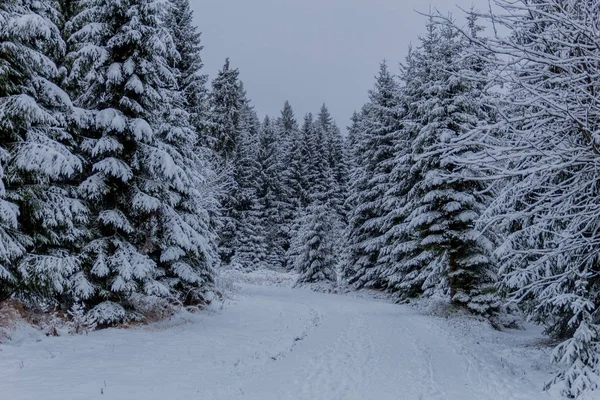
(275, 342)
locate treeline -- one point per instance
(285, 197)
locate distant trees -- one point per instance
(374, 133)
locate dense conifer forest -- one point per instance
(128, 178)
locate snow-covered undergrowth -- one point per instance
(264, 277)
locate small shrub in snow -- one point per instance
(107, 313)
(79, 322)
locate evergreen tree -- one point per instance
(399, 242)
(289, 157)
(319, 172)
(250, 240)
(305, 155)
(352, 140)
(313, 249)
(445, 203)
(226, 102)
(40, 218)
(142, 170)
(370, 179)
(190, 81)
(229, 110)
(271, 194)
(287, 127)
(337, 164)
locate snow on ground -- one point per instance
(270, 342)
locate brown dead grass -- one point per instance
(11, 313)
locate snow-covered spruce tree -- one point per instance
(186, 244)
(304, 161)
(337, 163)
(309, 179)
(39, 211)
(143, 182)
(374, 151)
(289, 152)
(249, 244)
(190, 81)
(184, 131)
(271, 194)
(313, 245)
(227, 99)
(297, 183)
(449, 254)
(352, 140)
(287, 127)
(398, 241)
(315, 237)
(550, 257)
(228, 107)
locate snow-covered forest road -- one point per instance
(280, 343)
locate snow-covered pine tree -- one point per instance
(304, 183)
(228, 107)
(398, 239)
(287, 127)
(227, 99)
(190, 80)
(183, 132)
(550, 256)
(352, 140)
(249, 245)
(186, 244)
(150, 237)
(301, 180)
(370, 181)
(337, 163)
(271, 194)
(39, 209)
(445, 202)
(289, 154)
(313, 245)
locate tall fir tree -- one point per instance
(141, 172)
(444, 204)
(379, 123)
(337, 162)
(313, 247)
(288, 128)
(271, 193)
(41, 220)
(227, 99)
(399, 242)
(188, 65)
(311, 252)
(249, 246)
(289, 153)
(228, 110)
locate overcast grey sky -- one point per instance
(312, 51)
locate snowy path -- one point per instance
(276, 343)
